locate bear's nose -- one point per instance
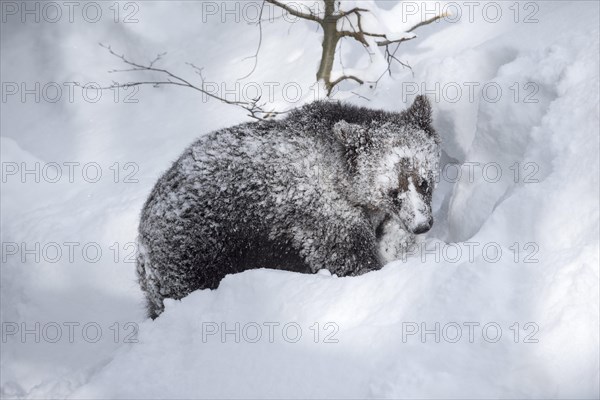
(423, 227)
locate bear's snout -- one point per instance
(422, 228)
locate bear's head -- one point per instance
(393, 160)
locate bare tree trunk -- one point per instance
(331, 38)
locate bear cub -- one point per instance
(330, 186)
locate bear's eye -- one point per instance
(394, 193)
(424, 186)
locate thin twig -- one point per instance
(290, 10)
(254, 109)
(260, 38)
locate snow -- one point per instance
(546, 277)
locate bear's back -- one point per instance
(240, 174)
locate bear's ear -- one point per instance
(419, 113)
(352, 136)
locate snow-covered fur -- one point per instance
(331, 186)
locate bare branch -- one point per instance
(358, 33)
(420, 24)
(355, 10)
(360, 96)
(344, 33)
(346, 77)
(428, 21)
(296, 13)
(253, 107)
(390, 57)
(260, 37)
(388, 42)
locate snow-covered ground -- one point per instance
(500, 301)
